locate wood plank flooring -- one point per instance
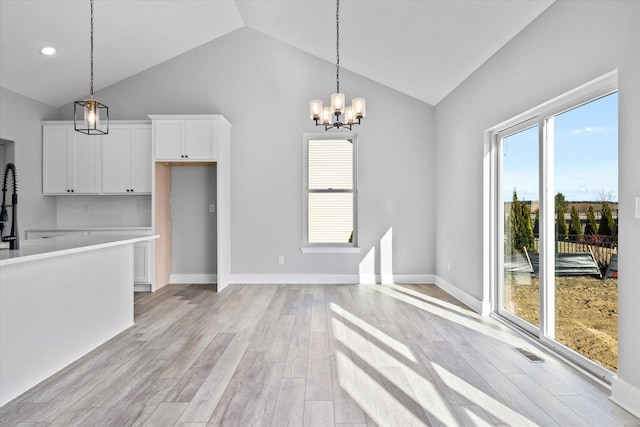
(313, 355)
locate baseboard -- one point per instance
(625, 395)
(142, 287)
(414, 279)
(291, 279)
(481, 307)
(330, 278)
(192, 279)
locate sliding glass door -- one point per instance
(520, 296)
(586, 212)
(557, 225)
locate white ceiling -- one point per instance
(423, 48)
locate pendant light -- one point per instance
(90, 116)
(351, 114)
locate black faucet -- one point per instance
(14, 237)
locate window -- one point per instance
(330, 192)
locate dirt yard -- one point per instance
(586, 314)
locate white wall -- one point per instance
(193, 226)
(568, 45)
(103, 211)
(20, 119)
(263, 87)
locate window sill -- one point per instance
(330, 250)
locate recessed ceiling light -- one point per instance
(47, 51)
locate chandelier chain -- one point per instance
(337, 46)
(91, 89)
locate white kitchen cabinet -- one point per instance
(169, 139)
(70, 161)
(188, 138)
(126, 159)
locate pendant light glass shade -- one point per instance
(337, 103)
(358, 105)
(315, 109)
(91, 117)
(349, 117)
(326, 115)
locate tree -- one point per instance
(536, 224)
(561, 210)
(528, 240)
(521, 229)
(607, 224)
(592, 225)
(575, 228)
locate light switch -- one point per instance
(638, 207)
(212, 208)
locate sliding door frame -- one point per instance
(543, 117)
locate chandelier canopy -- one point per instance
(90, 116)
(337, 115)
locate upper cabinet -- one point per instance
(71, 161)
(188, 138)
(116, 163)
(126, 160)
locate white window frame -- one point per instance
(328, 247)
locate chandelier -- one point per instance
(333, 116)
(90, 116)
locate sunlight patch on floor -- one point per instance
(497, 409)
(492, 331)
(374, 332)
(369, 392)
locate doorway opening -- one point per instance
(186, 220)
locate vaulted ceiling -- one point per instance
(423, 48)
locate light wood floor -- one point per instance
(349, 355)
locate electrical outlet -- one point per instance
(212, 208)
(448, 266)
(637, 207)
(281, 260)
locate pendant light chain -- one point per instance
(337, 46)
(90, 116)
(91, 89)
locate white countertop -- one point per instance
(31, 250)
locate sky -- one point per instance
(586, 155)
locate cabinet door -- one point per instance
(169, 139)
(55, 160)
(141, 262)
(116, 160)
(141, 159)
(88, 169)
(199, 139)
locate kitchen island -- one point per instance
(60, 298)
